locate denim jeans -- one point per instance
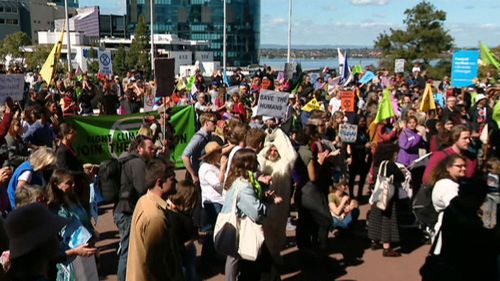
(210, 212)
(347, 221)
(123, 222)
(189, 263)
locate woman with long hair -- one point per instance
(250, 202)
(445, 181)
(360, 158)
(18, 151)
(441, 139)
(65, 154)
(410, 140)
(383, 225)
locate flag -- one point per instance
(487, 56)
(341, 61)
(427, 102)
(190, 82)
(385, 109)
(226, 79)
(180, 84)
(357, 69)
(496, 113)
(79, 73)
(49, 67)
(312, 105)
(367, 77)
(346, 73)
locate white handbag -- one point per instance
(226, 230)
(251, 236)
(384, 188)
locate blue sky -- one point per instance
(358, 22)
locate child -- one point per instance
(343, 209)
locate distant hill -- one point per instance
(313, 47)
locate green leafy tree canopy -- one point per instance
(138, 55)
(424, 38)
(119, 63)
(11, 45)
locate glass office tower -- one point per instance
(203, 20)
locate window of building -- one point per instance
(14, 10)
(1, 9)
(8, 9)
(2, 21)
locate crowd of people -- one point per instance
(264, 168)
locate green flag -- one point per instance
(496, 113)
(190, 82)
(488, 57)
(385, 109)
(102, 137)
(358, 69)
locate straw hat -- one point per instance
(210, 149)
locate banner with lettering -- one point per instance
(348, 133)
(464, 67)
(101, 137)
(272, 104)
(12, 86)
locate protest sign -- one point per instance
(12, 85)
(348, 133)
(149, 100)
(464, 67)
(399, 66)
(105, 63)
(348, 101)
(103, 137)
(272, 104)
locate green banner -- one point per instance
(101, 137)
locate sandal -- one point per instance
(391, 253)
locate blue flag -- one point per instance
(226, 80)
(367, 77)
(346, 73)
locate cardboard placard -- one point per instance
(272, 104)
(348, 133)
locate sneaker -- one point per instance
(391, 253)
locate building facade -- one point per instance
(204, 20)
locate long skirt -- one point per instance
(383, 225)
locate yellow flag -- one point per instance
(313, 105)
(427, 102)
(180, 84)
(49, 67)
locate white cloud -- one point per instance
(489, 26)
(369, 2)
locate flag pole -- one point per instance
(289, 30)
(151, 25)
(224, 60)
(68, 41)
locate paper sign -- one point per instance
(105, 63)
(12, 85)
(464, 67)
(348, 133)
(348, 101)
(272, 104)
(399, 65)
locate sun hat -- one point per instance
(31, 226)
(480, 97)
(211, 148)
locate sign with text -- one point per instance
(348, 101)
(272, 104)
(399, 65)
(105, 63)
(348, 133)
(103, 137)
(11, 85)
(464, 67)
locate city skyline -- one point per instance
(358, 22)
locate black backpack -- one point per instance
(110, 172)
(423, 208)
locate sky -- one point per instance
(359, 22)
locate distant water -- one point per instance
(279, 63)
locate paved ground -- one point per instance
(350, 256)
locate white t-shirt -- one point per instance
(442, 193)
(334, 104)
(211, 187)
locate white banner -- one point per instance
(348, 133)
(272, 104)
(399, 65)
(105, 63)
(11, 85)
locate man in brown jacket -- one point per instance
(153, 252)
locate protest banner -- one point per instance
(12, 86)
(102, 137)
(272, 104)
(348, 101)
(348, 133)
(105, 63)
(464, 68)
(149, 99)
(399, 65)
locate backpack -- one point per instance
(110, 173)
(423, 208)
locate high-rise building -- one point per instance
(71, 3)
(204, 20)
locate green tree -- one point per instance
(119, 63)
(11, 45)
(37, 58)
(424, 38)
(92, 62)
(138, 55)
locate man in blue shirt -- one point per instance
(40, 133)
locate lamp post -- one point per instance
(68, 41)
(224, 55)
(151, 25)
(289, 30)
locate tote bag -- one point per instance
(226, 230)
(384, 188)
(251, 236)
